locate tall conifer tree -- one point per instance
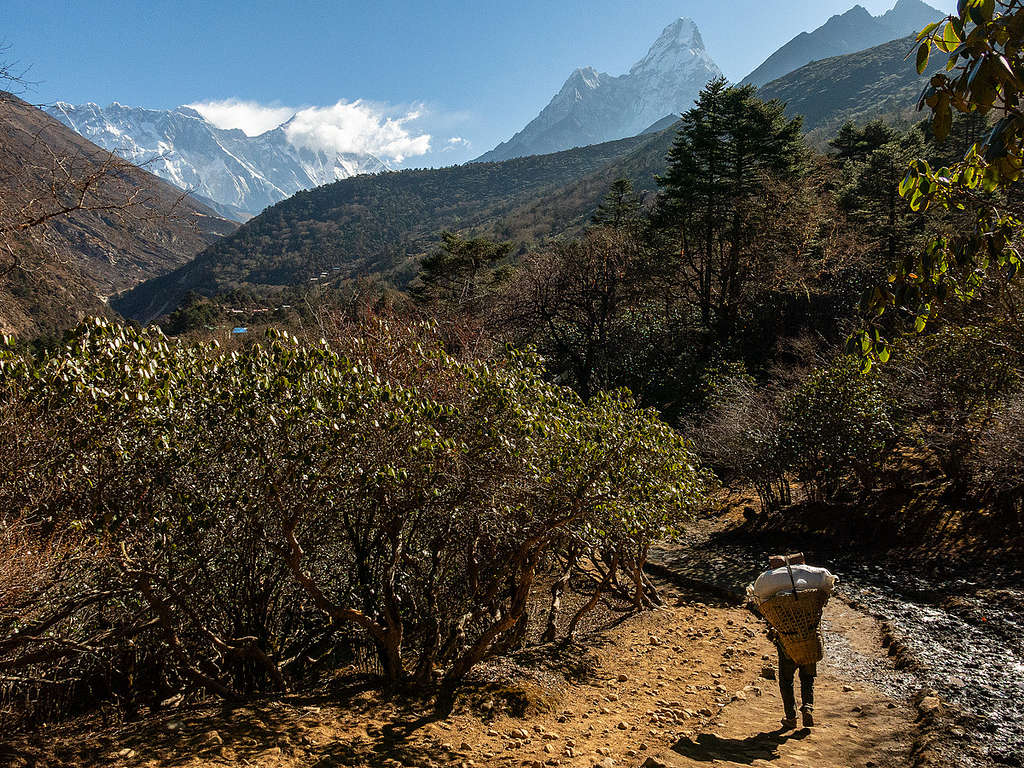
(732, 152)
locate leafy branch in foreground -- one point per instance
(980, 238)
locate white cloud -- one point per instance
(456, 142)
(358, 127)
(253, 118)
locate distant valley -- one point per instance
(381, 225)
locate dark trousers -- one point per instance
(787, 668)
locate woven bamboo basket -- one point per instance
(795, 617)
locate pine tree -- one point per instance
(457, 276)
(620, 209)
(733, 154)
(871, 197)
(853, 143)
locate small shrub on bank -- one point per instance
(837, 422)
(741, 437)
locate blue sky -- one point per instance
(467, 72)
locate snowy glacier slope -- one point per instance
(240, 174)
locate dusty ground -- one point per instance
(681, 686)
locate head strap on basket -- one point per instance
(792, 580)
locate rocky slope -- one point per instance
(132, 226)
(239, 174)
(852, 31)
(594, 107)
(877, 82)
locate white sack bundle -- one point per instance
(777, 580)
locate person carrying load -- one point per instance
(791, 595)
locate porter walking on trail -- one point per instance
(791, 596)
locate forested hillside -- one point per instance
(859, 86)
(380, 224)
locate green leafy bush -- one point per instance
(953, 381)
(264, 512)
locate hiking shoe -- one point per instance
(808, 719)
(788, 723)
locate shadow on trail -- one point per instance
(763, 746)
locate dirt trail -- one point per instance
(856, 724)
(681, 686)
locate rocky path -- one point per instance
(858, 721)
(681, 686)
(959, 644)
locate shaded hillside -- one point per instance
(852, 31)
(565, 210)
(859, 86)
(130, 226)
(380, 224)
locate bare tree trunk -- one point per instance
(557, 590)
(190, 669)
(601, 589)
(478, 650)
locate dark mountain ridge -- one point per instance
(859, 86)
(849, 32)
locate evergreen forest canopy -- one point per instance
(829, 330)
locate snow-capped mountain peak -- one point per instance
(592, 107)
(239, 174)
(680, 42)
(587, 77)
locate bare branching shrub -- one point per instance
(1000, 456)
(595, 308)
(741, 437)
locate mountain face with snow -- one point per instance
(855, 30)
(594, 107)
(238, 175)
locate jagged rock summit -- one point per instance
(238, 175)
(594, 107)
(855, 30)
